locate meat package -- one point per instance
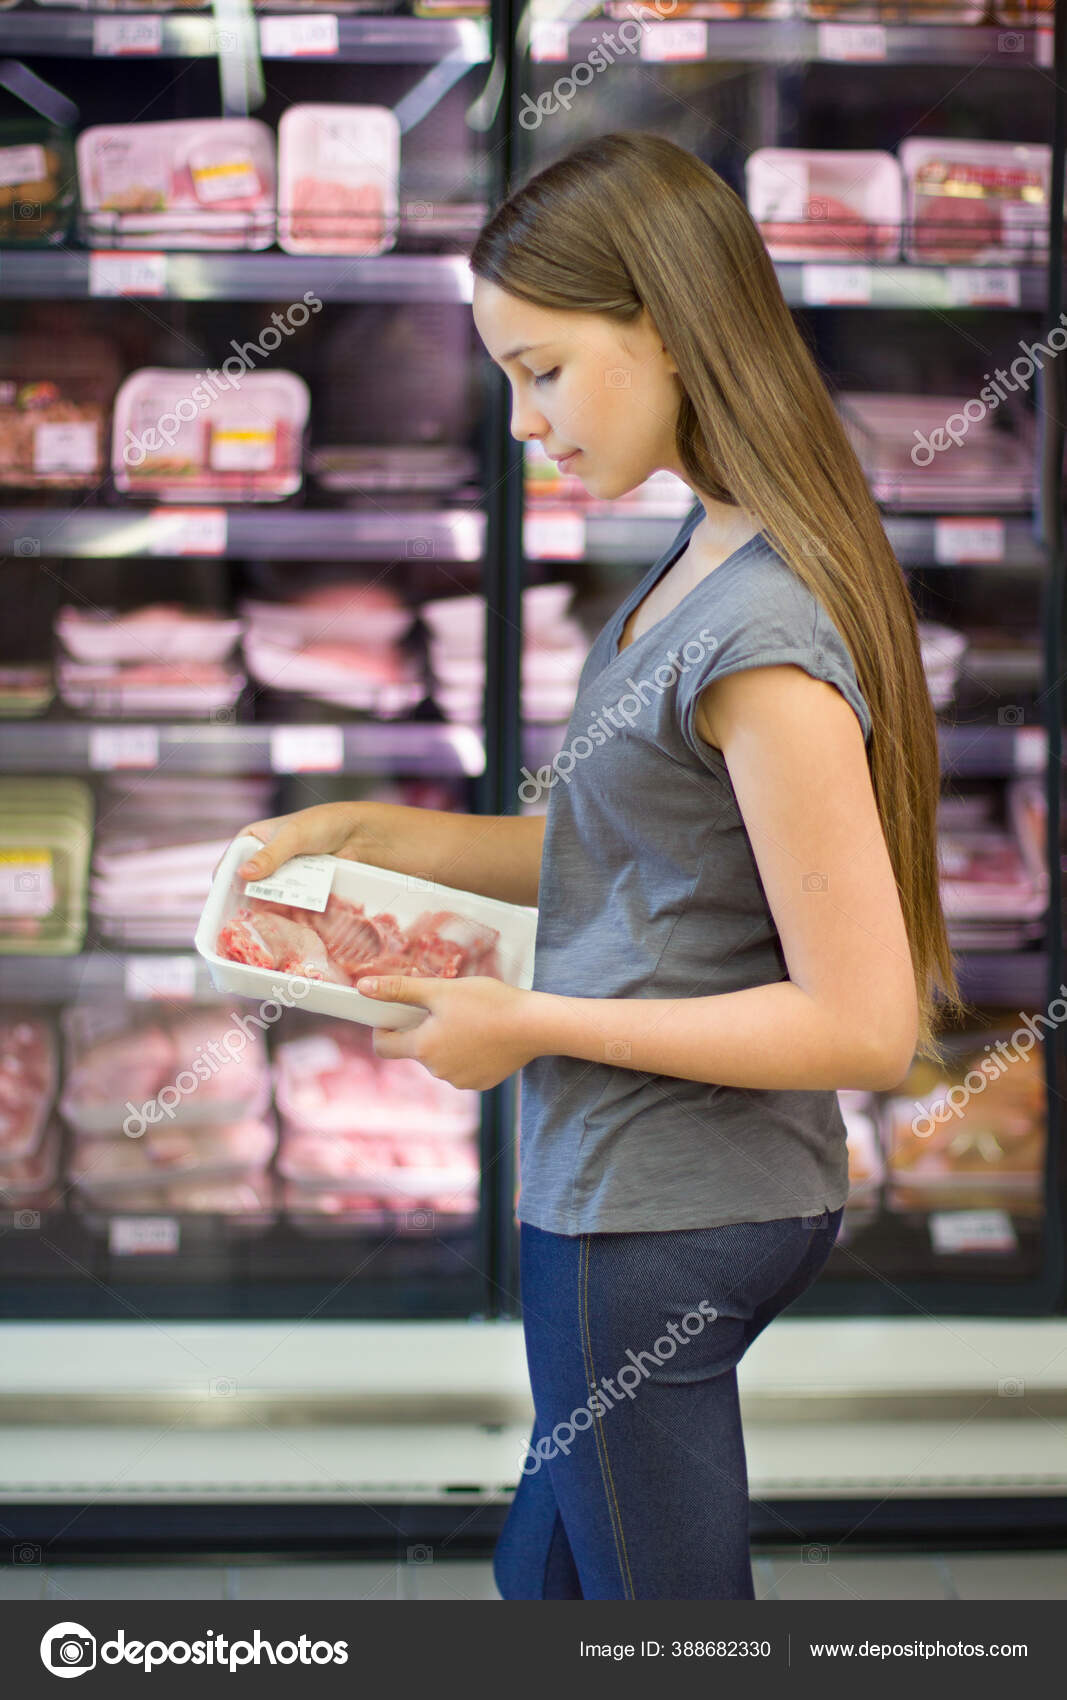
(159, 659)
(700, 9)
(30, 1182)
(910, 461)
(28, 1078)
(192, 1067)
(159, 838)
(338, 169)
(183, 183)
(942, 651)
(952, 1146)
(45, 830)
(26, 689)
(835, 204)
(971, 202)
(895, 11)
(104, 1170)
(374, 920)
(36, 183)
(994, 877)
(336, 643)
(54, 405)
(241, 444)
(554, 651)
(427, 474)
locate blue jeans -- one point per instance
(635, 1485)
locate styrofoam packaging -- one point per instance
(188, 183)
(826, 204)
(973, 202)
(338, 174)
(379, 890)
(158, 631)
(244, 445)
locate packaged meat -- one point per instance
(28, 1077)
(911, 462)
(183, 183)
(836, 204)
(195, 1067)
(338, 168)
(25, 690)
(970, 202)
(989, 870)
(45, 828)
(103, 1168)
(54, 404)
(554, 651)
(236, 445)
(29, 1182)
(157, 631)
(699, 9)
(330, 1082)
(377, 679)
(374, 919)
(36, 183)
(428, 470)
(895, 11)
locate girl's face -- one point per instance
(581, 382)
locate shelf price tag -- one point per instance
(851, 41)
(129, 1235)
(123, 746)
(968, 539)
(114, 272)
(684, 38)
(307, 749)
(830, 285)
(150, 977)
(983, 286)
(26, 884)
(558, 536)
(303, 880)
(127, 35)
(549, 39)
(289, 38)
(972, 1230)
(187, 531)
(1031, 749)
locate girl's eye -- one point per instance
(546, 377)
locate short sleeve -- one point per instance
(781, 634)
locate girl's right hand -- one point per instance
(327, 829)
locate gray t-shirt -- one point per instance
(649, 889)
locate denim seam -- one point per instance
(607, 1479)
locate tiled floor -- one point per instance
(780, 1574)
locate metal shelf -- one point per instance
(793, 40)
(64, 274)
(367, 40)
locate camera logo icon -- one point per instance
(68, 1649)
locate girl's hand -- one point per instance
(475, 1034)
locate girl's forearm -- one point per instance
(766, 1037)
(496, 855)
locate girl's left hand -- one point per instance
(473, 1035)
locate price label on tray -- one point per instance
(303, 880)
(150, 977)
(556, 536)
(123, 746)
(112, 272)
(287, 38)
(187, 531)
(851, 41)
(549, 39)
(827, 286)
(685, 38)
(127, 35)
(129, 1235)
(983, 286)
(26, 883)
(972, 1230)
(972, 539)
(307, 749)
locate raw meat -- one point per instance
(26, 1081)
(830, 226)
(270, 941)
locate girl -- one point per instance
(737, 876)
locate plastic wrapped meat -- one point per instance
(343, 942)
(97, 1165)
(133, 1065)
(815, 203)
(271, 941)
(973, 200)
(188, 183)
(27, 1083)
(338, 171)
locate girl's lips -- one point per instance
(566, 460)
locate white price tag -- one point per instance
(829, 285)
(851, 41)
(127, 35)
(686, 38)
(70, 447)
(554, 536)
(132, 1234)
(315, 1055)
(968, 539)
(549, 39)
(26, 884)
(112, 272)
(22, 164)
(1043, 54)
(972, 1230)
(187, 531)
(149, 977)
(303, 880)
(123, 746)
(1031, 749)
(978, 286)
(307, 749)
(286, 38)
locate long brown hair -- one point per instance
(630, 220)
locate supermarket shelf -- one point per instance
(419, 748)
(386, 40)
(787, 40)
(264, 532)
(889, 284)
(65, 274)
